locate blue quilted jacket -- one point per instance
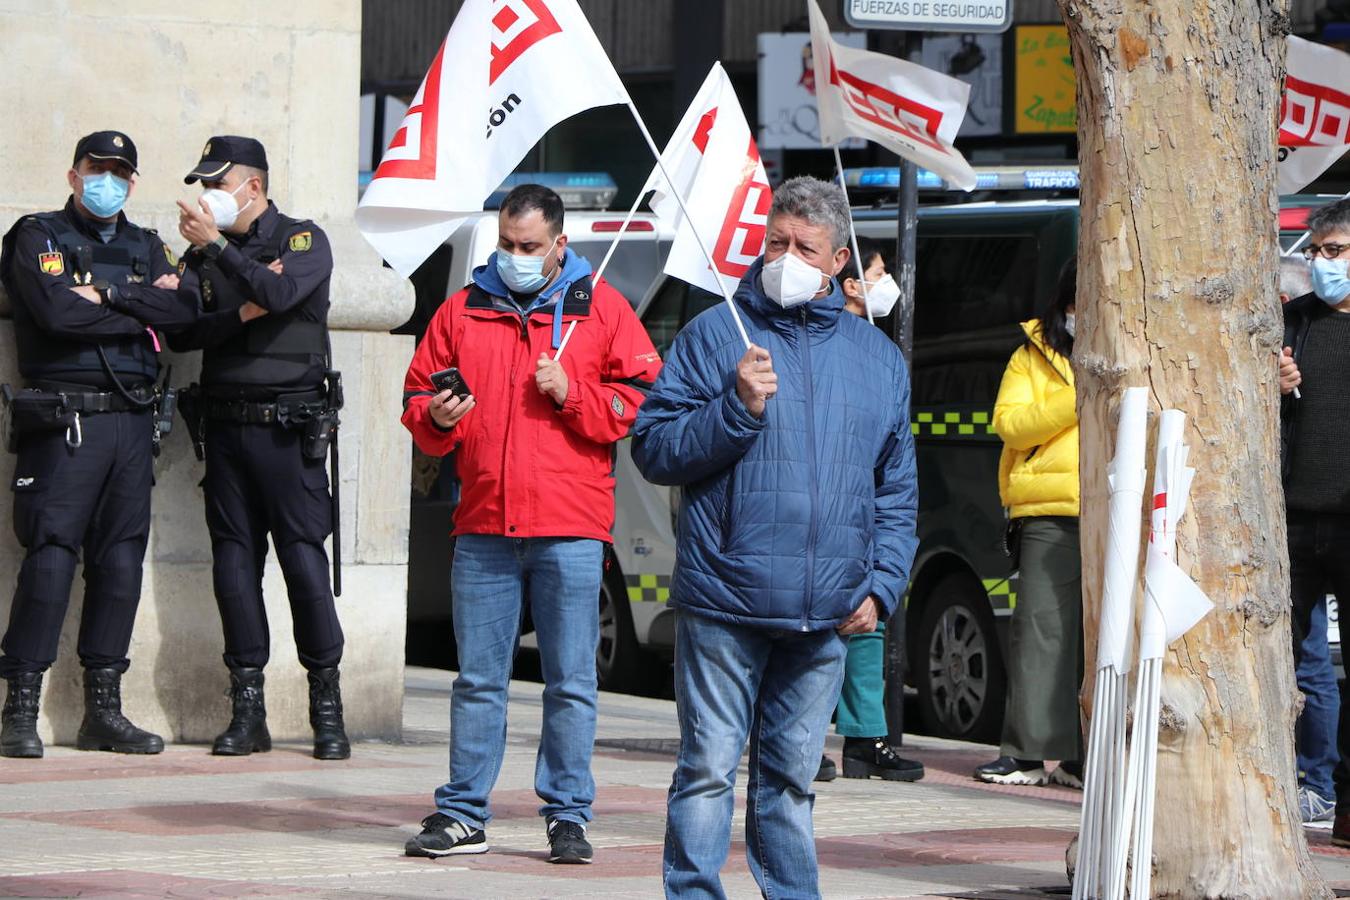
(791, 520)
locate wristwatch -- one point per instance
(107, 292)
(212, 249)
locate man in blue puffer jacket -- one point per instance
(796, 530)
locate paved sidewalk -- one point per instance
(186, 824)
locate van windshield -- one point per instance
(634, 265)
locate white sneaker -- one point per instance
(1006, 770)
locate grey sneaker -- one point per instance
(444, 836)
(567, 842)
(1314, 809)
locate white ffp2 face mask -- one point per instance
(223, 208)
(790, 280)
(881, 296)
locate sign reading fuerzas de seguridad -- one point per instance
(930, 15)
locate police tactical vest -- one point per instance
(276, 353)
(124, 260)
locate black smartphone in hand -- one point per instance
(450, 380)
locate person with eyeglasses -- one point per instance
(1314, 378)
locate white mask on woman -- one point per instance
(881, 296)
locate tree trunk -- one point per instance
(1177, 291)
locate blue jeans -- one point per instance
(1316, 562)
(488, 580)
(777, 688)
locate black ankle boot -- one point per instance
(325, 715)
(873, 757)
(104, 727)
(18, 721)
(248, 720)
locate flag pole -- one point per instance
(647, 136)
(623, 229)
(852, 232)
(609, 254)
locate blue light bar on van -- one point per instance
(987, 178)
(579, 190)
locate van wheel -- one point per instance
(959, 672)
(620, 664)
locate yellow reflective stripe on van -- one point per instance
(1002, 593)
(957, 423)
(648, 588)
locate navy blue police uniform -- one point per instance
(262, 382)
(84, 430)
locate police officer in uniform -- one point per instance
(89, 289)
(261, 280)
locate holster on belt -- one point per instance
(190, 407)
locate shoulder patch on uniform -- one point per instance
(52, 263)
(168, 255)
(616, 404)
(300, 241)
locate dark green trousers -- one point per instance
(1045, 656)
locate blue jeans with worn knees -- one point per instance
(776, 688)
(1315, 732)
(487, 582)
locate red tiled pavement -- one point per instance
(963, 846)
(318, 814)
(178, 761)
(126, 885)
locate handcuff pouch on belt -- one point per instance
(31, 412)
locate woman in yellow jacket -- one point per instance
(1038, 482)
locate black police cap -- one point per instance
(102, 145)
(225, 151)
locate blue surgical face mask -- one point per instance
(104, 194)
(524, 274)
(1329, 279)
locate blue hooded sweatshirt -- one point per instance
(574, 269)
(788, 521)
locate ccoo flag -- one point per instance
(906, 108)
(1314, 113)
(715, 164)
(529, 64)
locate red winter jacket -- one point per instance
(529, 468)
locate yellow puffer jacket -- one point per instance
(1035, 416)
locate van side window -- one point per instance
(675, 304)
(972, 282)
(970, 293)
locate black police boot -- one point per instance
(18, 721)
(325, 715)
(248, 721)
(104, 727)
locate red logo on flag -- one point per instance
(907, 118)
(520, 24)
(421, 118)
(704, 129)
(747, 221)
(1313, 114)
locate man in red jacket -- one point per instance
(533, 439)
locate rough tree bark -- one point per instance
(1177, 266)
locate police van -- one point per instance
(983, 267)
(591, 228)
